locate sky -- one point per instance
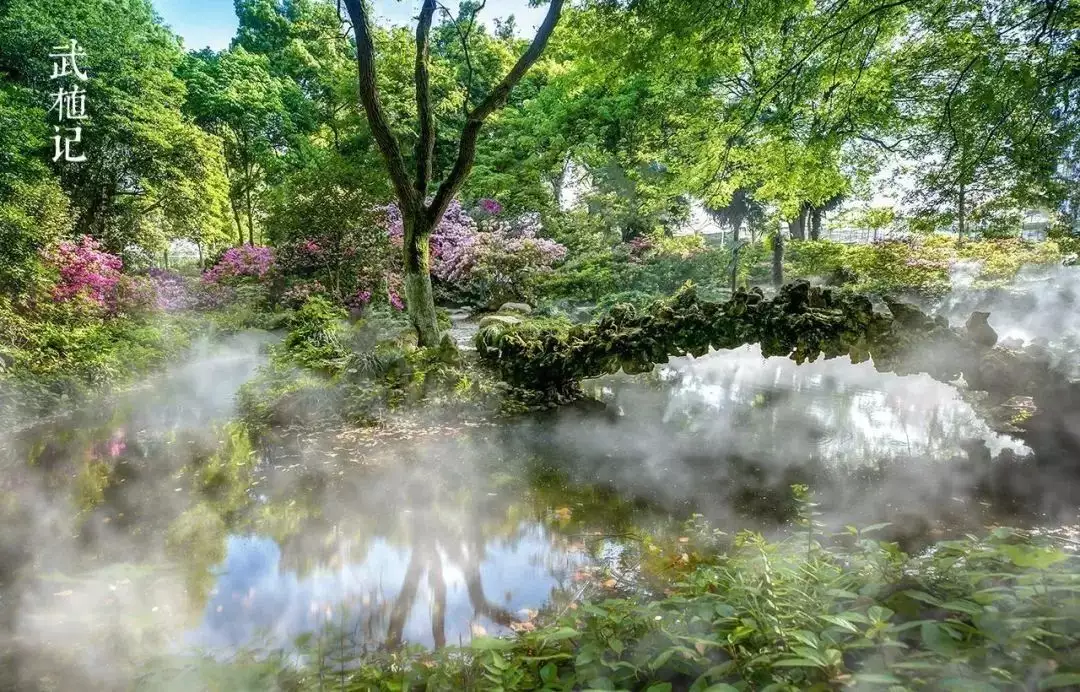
(212, 23)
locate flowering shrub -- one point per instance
(244, 261)
(172, 291)
(86, 272)
(495, 259)
(299, 293)
(359, 300)
(135, 295)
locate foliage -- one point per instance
(150, 172)
(484, 256)
(242, 262)
(315, 335)
(55, 356)
(921, 265)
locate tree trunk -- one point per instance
(778, 258)
(798, 225)
(815, 223)
(250, 224)
(419, 300)
(961, 219)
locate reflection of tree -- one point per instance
(465, 548)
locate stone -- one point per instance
(499, 320)
(979, 330)
(519, 308)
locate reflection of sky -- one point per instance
(256, 602)
(844, 413)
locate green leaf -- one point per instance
(875, 527)
(549, 673)
(616, 645)
(660, 660)
(962, 606)
(840, 622)
(808, 638)
(937, 639)
(659, 687)
(721, 687)
(561, 634)
(491, 644)
(841, 593)
(796, 663)
(922, 596)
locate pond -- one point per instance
(146, 525)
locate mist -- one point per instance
(112, 556)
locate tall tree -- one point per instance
(419, 215)
(142, 154)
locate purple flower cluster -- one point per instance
(86, 272)
(359, 299)
(173, 293)
(490, 207)
(254, 261)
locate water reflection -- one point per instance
(144, 526)
(422, 594)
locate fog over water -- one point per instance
(113, 554)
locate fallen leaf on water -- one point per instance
(610, 584)
(563, 513)
(684, 539)
(64, 593)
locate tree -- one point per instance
(234, 95)
(419, 215)
(141, 152)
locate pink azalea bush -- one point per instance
(244, 261)
(86, 273)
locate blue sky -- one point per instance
(212, 22)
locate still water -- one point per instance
(146, 526)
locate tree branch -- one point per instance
(369, 97)
(425, 145)
(495, 100)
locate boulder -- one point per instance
(518, 308)
(980, 331)
(499, 320)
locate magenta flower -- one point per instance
(254, 261)
(490, 206)
(86, 272)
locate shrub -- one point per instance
(86, 273)
(242, 262)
